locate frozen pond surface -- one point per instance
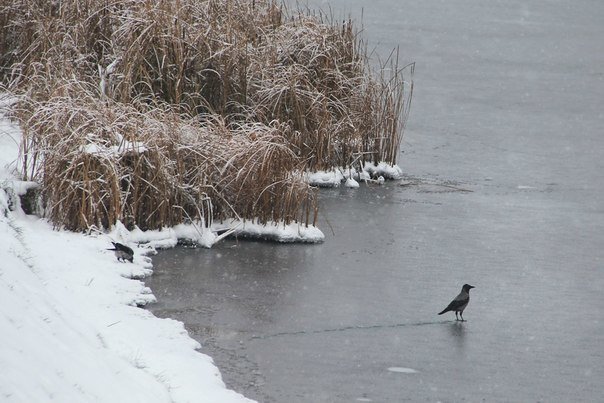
(505, 156)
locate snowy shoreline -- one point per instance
(72, 330)
(72, 327)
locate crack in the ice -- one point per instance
(347, 328)
(450, 186)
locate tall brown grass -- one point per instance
(229, 98)
(111, 161)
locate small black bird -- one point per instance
(123, 252)
(460, 302)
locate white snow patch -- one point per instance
(351, 183)
(93, 148)
(279, 232)
(145, 242)
(124, 146)
(325, 178)
(402, 370)
(351, 176)
(71, 331)
(169, 237)
(383, 169)
(128, 146)
(20, 187)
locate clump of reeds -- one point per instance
(317, 77)
(247, 170)
(99, 162)
(240, 59)
(226, 99)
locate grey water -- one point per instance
(504, 190)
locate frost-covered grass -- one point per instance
(159, 113)
(99, 163)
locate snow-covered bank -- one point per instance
(71, 329)
(206, 237)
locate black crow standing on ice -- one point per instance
(123, 252)
(460, 302)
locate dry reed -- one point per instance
(228, 98)
(99, 162)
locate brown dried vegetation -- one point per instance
(158, 112)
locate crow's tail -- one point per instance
(445, 310)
